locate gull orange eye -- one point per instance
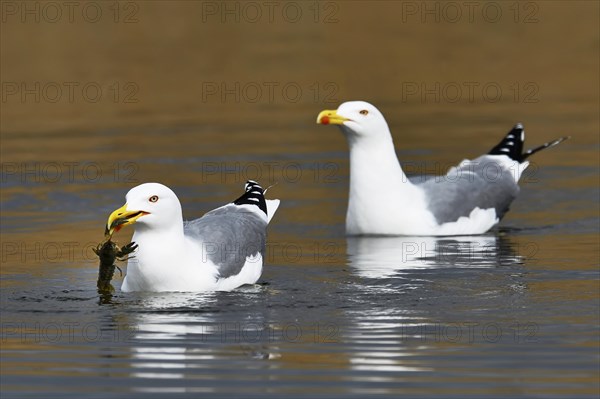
(364, 112)
(154, 198)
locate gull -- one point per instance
(220, 251)
(470, 199)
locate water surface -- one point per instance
(511, 313)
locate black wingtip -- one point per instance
(254, 195)
(512, 144)
(549, 144)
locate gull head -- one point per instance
(150, 205)
(356, 119)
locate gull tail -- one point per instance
(512, 145)
(272, 206)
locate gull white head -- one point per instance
(151, 206)
(357, 119)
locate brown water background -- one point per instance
(201, 95)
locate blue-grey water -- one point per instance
(512, 313)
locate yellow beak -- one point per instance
(121, 217)
(330, 117)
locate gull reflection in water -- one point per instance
(391, 338)
(167, 319)
(382, 257)
(179, 335)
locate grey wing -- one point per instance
(229, 235)
(482, 183)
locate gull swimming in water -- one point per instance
(220, 251)
(470, 199)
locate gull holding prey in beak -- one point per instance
(470, 199)
(221, 251)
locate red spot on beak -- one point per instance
(325, 120)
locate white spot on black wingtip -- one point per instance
(253, 196)
(252, 186)
(512, 144)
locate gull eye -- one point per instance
(364, 112)
(154, 198)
